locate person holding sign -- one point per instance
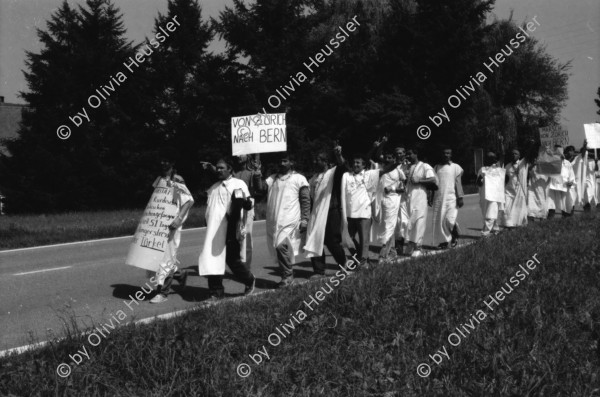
(168, 270)
(559, 186)
(572, 193)
(288, 211)
(421, 178)
(585, 168)
(446, 202)
(227, 200)
(325, 226)
(490, 180)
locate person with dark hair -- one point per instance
(168, 270)
(560, 185)
(586, 166)
(288, 211)
(325, 226)
(401, 234)
(446, 201)
(514, 213)
(228, 199)
(490, 179)
(421, 177)
(572, 193)
(537, 197)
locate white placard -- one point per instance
(592, 135)
(151, 236)
(554, 135)
(494, 183)
(258, 133)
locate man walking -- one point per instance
(446, 201)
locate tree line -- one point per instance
(390, 75)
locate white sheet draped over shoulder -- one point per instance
(283, 212)
(212, 256)
(444, 202)
(387, 207)
(515, 206)
(315, 235)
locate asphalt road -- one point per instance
(45, 289)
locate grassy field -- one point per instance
(369, 333)
(20, 231)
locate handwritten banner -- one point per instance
(554, 135)
(592, 135)
(258, 133)
(150, 239)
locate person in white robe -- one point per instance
(288, 212)
(585, 168)
(491, 179)
(537, 198)
(387, 206)
(420, 177)
(514, 213)
(168, 269)
(401, 233)
(325, 226)
(446, 202)
(572, 193)
(227, 201)
(559, 187)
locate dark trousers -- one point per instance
(166, 287)
(333, 241)
(233, 259)
(361, 227)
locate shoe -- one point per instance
(443, 246)
(183, 279)
(286, 282)
(159, 298)
(416, 253)
(250, 288)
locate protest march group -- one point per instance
(376, 199)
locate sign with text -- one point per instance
(554, 135)
(258, 133)
(150, 239)
(592, 135)
(494, 183)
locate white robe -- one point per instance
(515, 206)
(557, 195)
(444, 202)
(315, 235)
(283, 213)
(537, 206)
(417, 201)
(212, 256)
(584, 169)
(386, 206)
(490, 199)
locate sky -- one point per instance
(569, 28)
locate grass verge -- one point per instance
(369, 334)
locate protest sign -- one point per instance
(494, 183)
(150, 239)
(549, 161)
(554, 135)
(258, 133)
(592, 135)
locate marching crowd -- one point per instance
(377, 199)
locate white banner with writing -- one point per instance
(150, 240)
(592, 135)
(258, 133)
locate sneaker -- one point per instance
(416, 253)
(159, 298)
(250, 288)
(183, 279)
(286, 282)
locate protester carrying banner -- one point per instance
(325, 226)
(446, 202)
(182, 198)
(227, 201)
(559, 187)
(401, 233)
(288, 211)
(490, 179)
(421, 177)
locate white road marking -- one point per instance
(43, 270)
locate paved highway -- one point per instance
(43, 288)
